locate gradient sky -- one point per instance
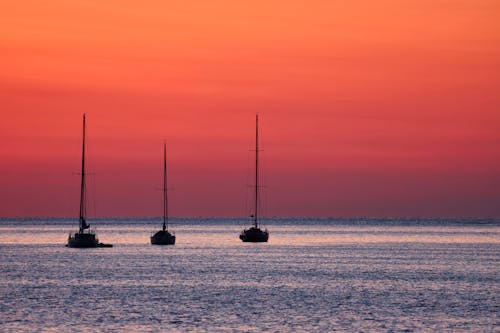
(368, 108)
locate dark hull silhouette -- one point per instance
(163, 237)
(255, 235)
(83, 240)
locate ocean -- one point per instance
(314, 275)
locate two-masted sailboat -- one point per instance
(85, 237)
(164, 237)
(255, 233)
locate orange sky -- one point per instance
(368, 108)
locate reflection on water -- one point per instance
(314, 275)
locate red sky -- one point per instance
(368, 108)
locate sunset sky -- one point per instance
(367, 108)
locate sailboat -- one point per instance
(255, 233)
(164, 237)
(85, 237)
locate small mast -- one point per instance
(83, 225)
(165, 198)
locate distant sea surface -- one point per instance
(314, 275)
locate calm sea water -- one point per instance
(314, 275)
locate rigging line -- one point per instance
(82, 185)
(262, 179)
(165, 198)
(91, 175)
(94, 191)
(256, 209)
(248, 193)
(264, 202)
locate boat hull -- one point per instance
(163, 237)
(82, 240)
(254, 235)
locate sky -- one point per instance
(367, 108)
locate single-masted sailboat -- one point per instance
(85, 237)
(255, 233)
(164, 237)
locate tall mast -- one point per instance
(83, 224)
(165, 199)
(256, 208)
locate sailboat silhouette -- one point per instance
(255, 233)
(164, 237)
(85, 237)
